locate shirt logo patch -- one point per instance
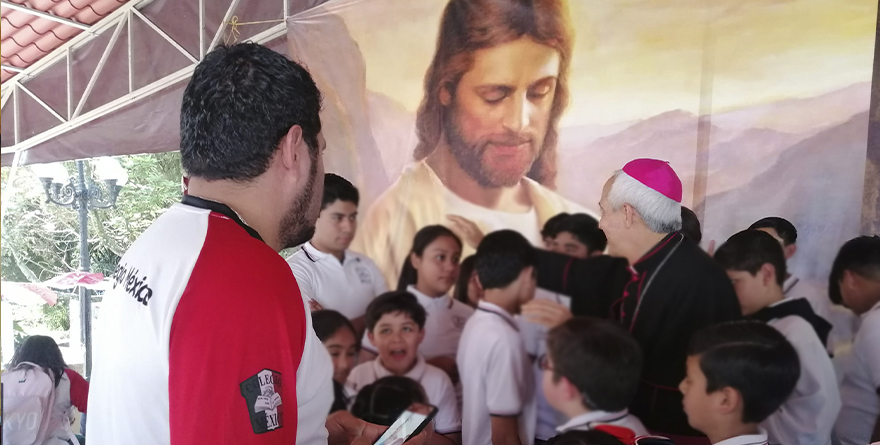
(363, 275)
(262, 392)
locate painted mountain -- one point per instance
(816, 184)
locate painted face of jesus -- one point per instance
(500, 111)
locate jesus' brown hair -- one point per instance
(471, 25)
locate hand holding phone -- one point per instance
(409, 424)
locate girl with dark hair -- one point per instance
(384, 400)
(71, 389)
(338, 335)
(467, 288)
(429, 272)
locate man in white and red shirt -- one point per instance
(206, 338)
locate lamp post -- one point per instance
(82, 196)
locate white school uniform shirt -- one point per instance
(592, 419)
(347, 287)
(535, 339)
(747, 439)
(496, 375)
(443, 326)
(807, 416)
(861, 381)
(437, 385)
(794, 287)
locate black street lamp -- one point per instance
(82, 195)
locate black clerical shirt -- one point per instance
(673, 291)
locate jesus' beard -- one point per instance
(471, 155)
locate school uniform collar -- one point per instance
(416, 373)
(484, 306)
(585, 422)
(429, 302)
(798, 307)
(747, 439)
(657, 254)
(315, 255)
(223, 209)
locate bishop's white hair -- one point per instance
(661, 214)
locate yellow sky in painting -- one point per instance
(637, 58)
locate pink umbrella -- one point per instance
(27, 293)
(71, 280)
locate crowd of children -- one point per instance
(497, 376)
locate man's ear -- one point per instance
(370, 336)
(571, 391)
(289, 148)
(629, 215)
(790, 250)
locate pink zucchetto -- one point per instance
(657, 175)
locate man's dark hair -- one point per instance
(43, 351)
(551, 227)
(241, 101)
(384, 400)
(690, 225)
(409, 276)
(501, 257)
(392, 302)
(327, 322)
(860, 255)
(577, 437)
(471, 25)
(751, 357)
(585, 229)
(783, 227)
(749, 250)
(598, 357)
(337, 188)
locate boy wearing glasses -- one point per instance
(591, 374)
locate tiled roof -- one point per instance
(26, 38)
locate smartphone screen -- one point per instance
(410, 423)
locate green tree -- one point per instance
(40, 240)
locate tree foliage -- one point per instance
(40, 240)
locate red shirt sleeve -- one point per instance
(79, 390)
(236, 341)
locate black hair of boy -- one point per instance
(465, 269)
(601, 359)
(690, 225)
(749, 250)
(384, 400)
(751, 357)
(783, 228)
(551, 227)
(501, 257)
(860, 255)
(327, 322)
(337, 188)
(593, 437)
(585, 229)
(393, 302)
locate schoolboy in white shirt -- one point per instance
(496, 372)
(855, 280)
(738, 374)
(395, 324)
(326, 271)
(591, 374)
(756, 264)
